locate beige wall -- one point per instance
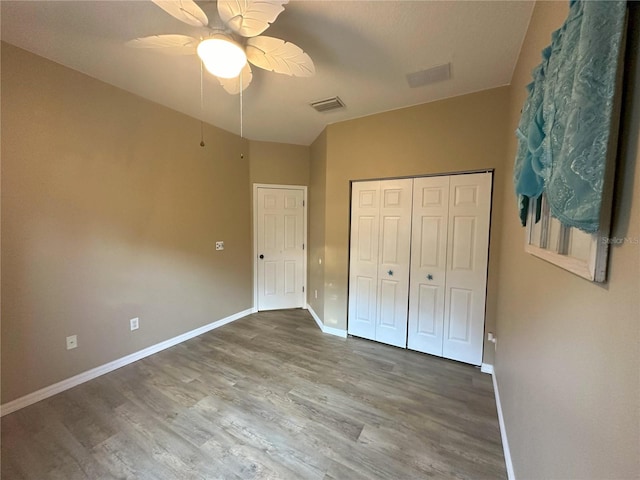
(110, 210)
(458, 134)
(279, 163)
(567, 361)
(317, 203)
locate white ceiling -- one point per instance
(362, 51)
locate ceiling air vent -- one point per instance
(327, 104)
(429, 76)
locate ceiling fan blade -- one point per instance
(250, 17)
(169, 44)
(184, 10)
(279, 56)
(232, 85)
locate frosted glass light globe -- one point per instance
(222, 56)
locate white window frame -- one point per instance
(594, 268)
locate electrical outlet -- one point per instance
(134, 323)
(72, 342)
(219, 245)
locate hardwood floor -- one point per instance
(268, 396)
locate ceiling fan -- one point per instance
(228, 51)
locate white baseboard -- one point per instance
(315, 317)
(503, 431)
(338, 332)
(83, 377)
(486, 368)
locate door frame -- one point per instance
(254, 233)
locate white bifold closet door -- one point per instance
(428, 264)
(379, 262)
(449, 255)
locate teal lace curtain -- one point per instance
(564, 130)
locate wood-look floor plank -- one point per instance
(268, 396)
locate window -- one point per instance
(570, 248)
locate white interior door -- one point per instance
(467, 259)
(428, 264)
(363, 262)
(280, 245)
(393, 268)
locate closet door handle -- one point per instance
(429, 277)
(390, 272)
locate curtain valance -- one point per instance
(565, 126)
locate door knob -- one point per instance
(261, 256)
(429, 277)
(391, 272)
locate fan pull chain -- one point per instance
(241, 136)
(241, 132)
(201, 107)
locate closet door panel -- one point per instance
(363, 264)
(428, 264)
(393, 268)
(460, 308)
(466, 274)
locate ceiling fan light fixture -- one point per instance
(227, 50)
(222, 56)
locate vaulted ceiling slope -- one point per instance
(362, 52)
